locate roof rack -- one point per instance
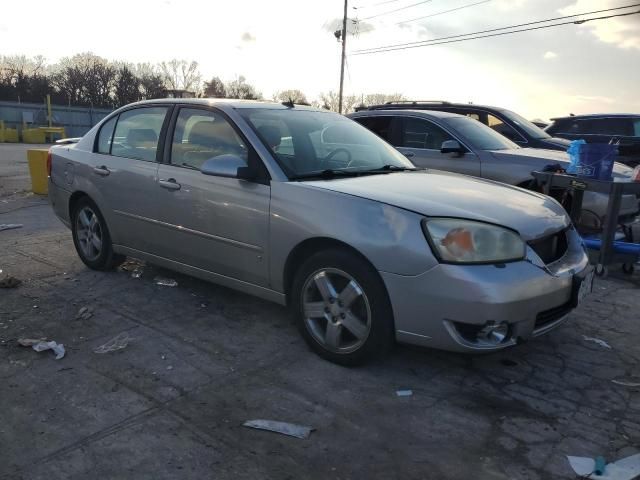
(403, 104)
(416, 102)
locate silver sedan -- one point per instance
(309, 209)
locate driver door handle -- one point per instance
(408, 154)
(169, 184)
(101, 170)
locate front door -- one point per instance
(214, 223)
(421, 141)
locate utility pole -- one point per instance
(343, 37)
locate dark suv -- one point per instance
(516, 128)
(603, 128)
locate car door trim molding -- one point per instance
(198, 233)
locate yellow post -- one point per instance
(37, 158)
(49, 108)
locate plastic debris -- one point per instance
(165, 282)
(41, 346)
(602, 343)
(30, 342)
(137, 273)
(624, 469)
(404, 393)
(290, 429)
(10, 282)
(85, 313)
(115, 344)
(627, 383)
(9, 226)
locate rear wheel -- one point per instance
(91, 237)
(342, 308)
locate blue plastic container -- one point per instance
(592, 160)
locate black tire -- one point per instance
(628, 268)
(372, 299)
(105, 258)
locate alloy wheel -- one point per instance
(89, 233)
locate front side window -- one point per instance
(138, 132)
(381, 126)
(201, 135)
(478, 136)
(502, 128)
(531, 129)
(313, 142)
(106, 135)
(419, 133)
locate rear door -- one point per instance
(421, 140)
(214, 223)
(124, 169)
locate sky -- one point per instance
(283, 44)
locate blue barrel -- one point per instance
(594, 160)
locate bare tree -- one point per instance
(86, 79)
(215, 88)
(292, 95)
(380, 98)
(127, 88)
(242, 90)
(181, 75)
(329, 101)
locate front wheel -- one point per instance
(342, 308)
(91, 237)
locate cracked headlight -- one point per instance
(466, 241)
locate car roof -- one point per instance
(597, 115)
(406, 112)
(430, 105)
(230, 102)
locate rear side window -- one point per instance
(381, 126)
(105, 136)
(636, 127)
(138, 132)
(418, 133)
(609, 126)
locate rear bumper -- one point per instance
(59, 200)
(441, 306)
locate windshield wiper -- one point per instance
(392, 168)
(328, 173)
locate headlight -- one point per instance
(465, 241)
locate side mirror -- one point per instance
(452, 146)
(228, 166)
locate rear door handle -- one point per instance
(169, 184)
(408, 154)
(102, 171)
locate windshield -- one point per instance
(478, 135)
(306, 142)
(532, 130)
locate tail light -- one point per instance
(49, 163)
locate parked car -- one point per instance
(305, 207)
(447, 141)
(603, 128)
(513, 126)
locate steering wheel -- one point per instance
(340, 150)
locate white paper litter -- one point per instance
(624, 469)
(57, 348)
(291, 429)
(165, 282)
(404, 393)
(626, 384)
(602, 343)
(117, 343)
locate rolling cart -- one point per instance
(610, 250)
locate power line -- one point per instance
(443, 12)
(440, 40)
(396, 10)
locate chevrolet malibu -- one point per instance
(309, 209)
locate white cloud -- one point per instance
(550, 55)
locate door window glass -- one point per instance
(201, 135)
(137, 133)
(381, 126)
(609, 126)
(105, 136)
(502, 128)
(636, 127)
(418, 133)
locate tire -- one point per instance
(342, 308)
(91, 237)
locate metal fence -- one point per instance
(76, 120)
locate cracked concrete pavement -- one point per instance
(203, 359)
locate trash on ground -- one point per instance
(404, 393)
(137, 273)
(117, 343)
(10, 282)
(165, 282)
(635, 382)
(291, 429)
(85, 313)
(40, 345)
(30, 342)
(136, 267)
(600, 342)
(624, 469)
(9, 226)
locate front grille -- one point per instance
(553, 314)
(551, 248)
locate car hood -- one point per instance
(540, 158)
(555, 143)
(436, 193)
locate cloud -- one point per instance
(354, 27)
(549, 55)
(247, 37)
(623, 32)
